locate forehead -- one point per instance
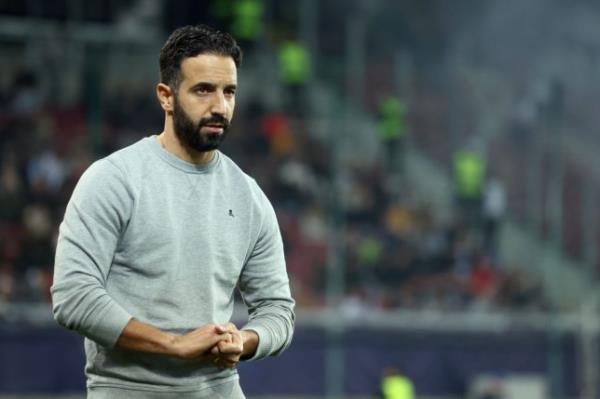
(211, 68)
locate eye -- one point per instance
(203, 89)
(230, 92)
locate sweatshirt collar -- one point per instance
(179, 163)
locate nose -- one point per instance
(219, 104)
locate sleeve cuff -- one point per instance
(110, 325)
(265, 341)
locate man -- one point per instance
(156, 237)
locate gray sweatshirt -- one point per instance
(150, 236)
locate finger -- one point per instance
(228, 327)
(230, 348)
(226, 338)
(237, 339)
(236, 345)
(222, 340)
(212, 341)
(221, 329)
(233, 350)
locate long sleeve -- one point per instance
(265, 289)
(95, 218)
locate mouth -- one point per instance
(213, 128)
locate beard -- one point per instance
(190, 134)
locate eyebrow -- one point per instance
(212, 86)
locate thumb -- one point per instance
(221, 329)
(214, 340)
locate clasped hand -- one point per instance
(227, 352)
(222, 346)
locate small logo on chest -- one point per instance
(231, 213)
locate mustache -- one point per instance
(214, 120)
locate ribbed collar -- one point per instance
(180, 163)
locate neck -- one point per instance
(170, 142)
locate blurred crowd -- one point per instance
(395, 254)
(392, 248)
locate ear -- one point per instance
(165, 96)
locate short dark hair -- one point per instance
(190, 41)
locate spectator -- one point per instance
(392, 130)
(469, 173)
(295, 72)
(494, 206)
(395, 385)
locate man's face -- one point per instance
(205, 100)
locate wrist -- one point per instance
(171, 345)
(250, 341)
